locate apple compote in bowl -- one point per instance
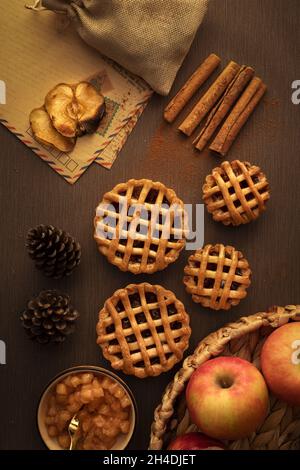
(102, 402)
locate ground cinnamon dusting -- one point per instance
(164, 144)
(168, 147)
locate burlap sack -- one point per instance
(148, 37)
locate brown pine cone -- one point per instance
(54, 251)
(49, 317)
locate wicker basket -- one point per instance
(244, 338)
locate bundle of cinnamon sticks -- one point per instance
(227, 103)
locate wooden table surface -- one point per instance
(263, 34)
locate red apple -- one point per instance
(227, 398)
(280, 362)
(195, 441)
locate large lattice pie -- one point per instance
(143, 330)
(236, 192)
(140, 226)
(217, 276)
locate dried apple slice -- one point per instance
(91, 107)
(62, 108)
(75, 109)
(45, 133)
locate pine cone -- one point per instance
(49, 317)
(54, 251)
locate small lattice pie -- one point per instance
(217, 276)
(143, 330)
(147, 239)
(236, 192)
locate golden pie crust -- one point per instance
(143, 330)
(217, 276)
(128, 248)
(236, 192)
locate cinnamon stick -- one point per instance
(239, 116)
(209, 99)
(200, 75)
(221, 109)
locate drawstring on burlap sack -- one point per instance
(63, 21)
(37, 6)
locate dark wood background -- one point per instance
(264, 34)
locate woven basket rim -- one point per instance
(211, 346)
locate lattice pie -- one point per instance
(136, 227)
(236, 192)
(217, 276)
(143, 330)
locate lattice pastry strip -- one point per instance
(236, 192)
(217, 276)
(143, 330)
(149, 235)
